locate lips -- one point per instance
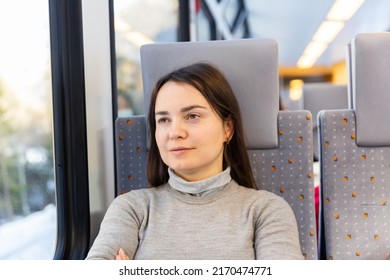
(175, 149)
(179, 150)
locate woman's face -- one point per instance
(189, 134)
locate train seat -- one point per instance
(355, 156)
(279, 143)
(323, 96)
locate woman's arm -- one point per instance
(276, 234)
(119, 230)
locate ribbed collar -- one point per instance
(202, 187)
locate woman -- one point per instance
(203, 203)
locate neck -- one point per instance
(200, 186)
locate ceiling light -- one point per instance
(343, 10)
(306, 61)
(295, 89)
(327, 31)
(315, 49)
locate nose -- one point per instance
(177, 130)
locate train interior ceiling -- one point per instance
(45, 155)
(312, 36)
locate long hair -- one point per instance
(210, 82)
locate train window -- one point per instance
(133, 29)
(27, 185)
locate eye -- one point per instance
(162, 120)
(192, 116)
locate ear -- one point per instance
(229, 129)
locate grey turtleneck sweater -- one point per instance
(210, 219)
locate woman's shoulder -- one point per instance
(267, 205)
(141, 195)
(135, 201)
(261, 197)
(253, 191)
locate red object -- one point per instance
(317, 203)
(197, 6)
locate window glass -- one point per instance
(27, 186)
(139, 22)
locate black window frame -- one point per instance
(69, 129)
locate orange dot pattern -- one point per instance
(288, 172)
(131, 154)
(355, 190)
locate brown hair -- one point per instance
(214, 87)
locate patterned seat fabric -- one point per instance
(355, 191)
(323, 96)
(131, 154)
(355, 157)
(286, 170)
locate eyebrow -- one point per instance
(183, 110)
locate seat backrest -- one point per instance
(323, 96)
(279, 143)
(355, 156)
(250, 66)
(288, 172)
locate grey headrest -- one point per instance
(349, 75)
(370, 88)
(324, 96)
(249, 65)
